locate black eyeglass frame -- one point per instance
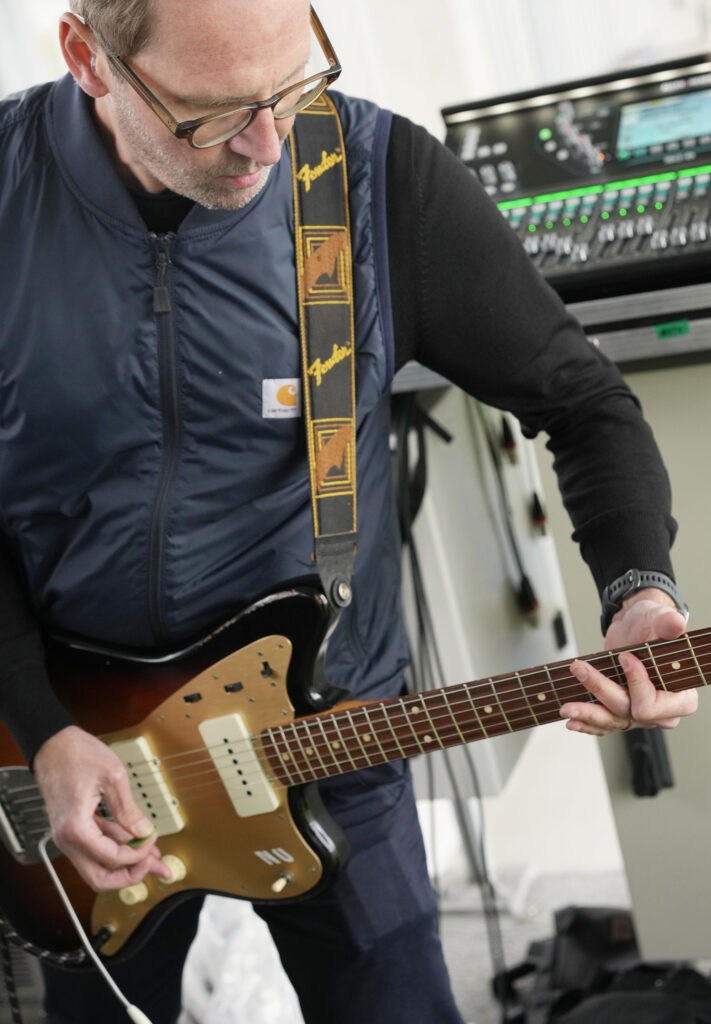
(186, 129)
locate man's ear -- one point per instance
(81, 52)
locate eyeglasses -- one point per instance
(203, 132)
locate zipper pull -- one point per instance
(161, 292)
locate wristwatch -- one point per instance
(637, 579)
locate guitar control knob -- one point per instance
(280, 883)
(132, 894)
(178, 871)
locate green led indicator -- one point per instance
(584, 219)
(659, 206)
(566, 221)
(623, 213)
(545, 134)
(549, 224)
(640, 208)
(531, 227)
(605, 215)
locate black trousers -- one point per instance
(366, 949)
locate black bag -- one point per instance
(590, 972)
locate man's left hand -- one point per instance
(647, 615)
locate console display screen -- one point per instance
(684, 119)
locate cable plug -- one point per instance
(508, 441)
(527, 600)
(537, 513)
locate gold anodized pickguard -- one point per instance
(261, 857)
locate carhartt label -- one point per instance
(308, 174)
(281, 398)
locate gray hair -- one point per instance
(122, 27)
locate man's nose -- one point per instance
(260, 141)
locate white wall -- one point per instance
(417, 58)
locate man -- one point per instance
(148, 291)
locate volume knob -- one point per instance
(132, 894)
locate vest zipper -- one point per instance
(170, 419)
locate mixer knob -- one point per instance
(606, 233)
(660, 239)
(645, 225)
(698, 231)
(625, 229)
(580, 252)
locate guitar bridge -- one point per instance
(23, 818)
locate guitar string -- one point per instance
(401, 716)
(309, 771)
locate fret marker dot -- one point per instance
(676, 665)
(416, 710)
(286, 757)
(367, 738)
(336, 745)
(541, 697)
(427, 739)
(488, 710)
(309, 751)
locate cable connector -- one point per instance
(537, 513)
(508, 441)
(527, 600)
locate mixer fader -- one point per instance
(607, 183)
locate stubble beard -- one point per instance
(172, 167)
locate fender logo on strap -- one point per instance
(319, 369)
(307, 174)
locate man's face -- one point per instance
(204, 57)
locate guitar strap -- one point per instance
(325, 290)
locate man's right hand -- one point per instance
(75, 771)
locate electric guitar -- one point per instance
(223, 742)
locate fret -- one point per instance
(281, 774)
(501, 706)
(283, 764)
(390, 726)
(307, 759)
(553, 686)
(342, 740)
(617, 673)
(374, 732)
(428, 738)
(525, 696)
(312, 748)
(329, 748)
(468, 690)
(288, 755)
(452, 716)
(656, 667)
(415, 709)
(355, 733)
(696, 660)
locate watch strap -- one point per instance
(637, 579)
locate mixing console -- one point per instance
(607, 182)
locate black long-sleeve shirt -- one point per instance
(468, 304)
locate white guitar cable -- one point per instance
(136, 1015)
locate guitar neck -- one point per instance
(360, 735)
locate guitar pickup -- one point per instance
(230, 747)
(148, 786)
